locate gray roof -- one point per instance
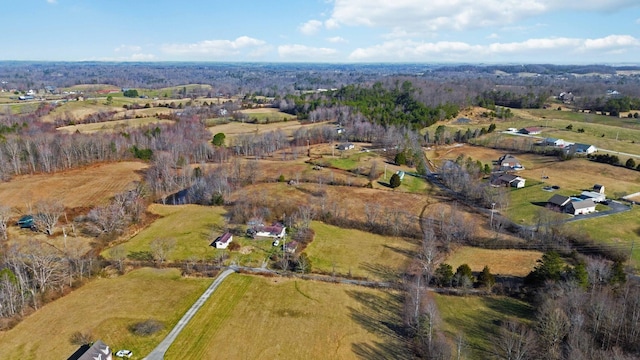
(581, 147)
(559, 200)
(98, 350)
(578, 205)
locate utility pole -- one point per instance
(493, 205)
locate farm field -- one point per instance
(267, 115)
(358, 253)
(235, 128)
(81, 187)
(106, 307)
(109, 126)
(476, 319)
(500, 262)
(274, 318)
(190, 225)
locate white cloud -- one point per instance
(52, 1)
(128, 48)
(216, 48)
(557, 49)
(310, 27)
(142, 57)
(337, 39)
(303, 52)
(436, 15)
(638, 21)
(493, 36)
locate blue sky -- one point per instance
(432, 31)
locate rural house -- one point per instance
(595, 196)
(553, 142)
(97, 351)
(558, 202)
(400, 174)
(598, 188)
(223, 241)
(583, 148)
(276, 230)
(290, 247)
(346, 146)
(581, 207)
(530, 130)
(509, 180)
(509, 162)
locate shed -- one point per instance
(222, 241)
(598, 188)
(346, 146)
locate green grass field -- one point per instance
(476, 317)
(526, 203)
(105, 307)
(362, 254)
(619, 230)
(274, 318)
(189, 225)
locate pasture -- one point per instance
(235, 128)
(81, 187)
(190, 225)
(111, 126)
(105, 307)
(252, 317)
(357, 253)
(476, 318)
(504, 262)
(267, 115)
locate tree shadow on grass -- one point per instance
(382, 272)
(539, 203)
(406, 252)
(379, 314)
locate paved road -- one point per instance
(158, 352)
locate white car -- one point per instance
(276, 242)
(124, 353)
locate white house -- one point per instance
(223, 241)
(553, 142)
(274, 231)
(583, 148)
(346, 146)
(595, 196)
(581, 207)
(509, 180)
(400, 174)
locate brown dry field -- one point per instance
(82, 187)
(109, 126)
(440, 153)
(260, 111)
(237, 128)
(500, 262)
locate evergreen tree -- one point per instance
(394, 182)
(486, 278)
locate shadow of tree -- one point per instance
(379, 314)
(382, 272)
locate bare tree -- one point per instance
(515, 341)
(5, 213)
(47, 214)
(161, 247)
(119, 254)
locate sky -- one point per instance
(323, 31)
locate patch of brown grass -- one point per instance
(81, 187)
(500, 262)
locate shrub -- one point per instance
(281, 178)
(81, 338)
(394, 182)
(630, 163)
(233, 246)
(146, 328)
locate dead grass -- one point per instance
(274, 318)
(500, 262)
(237, 128)
(105, 307)
(82, 187)
(110, 126)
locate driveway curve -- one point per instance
(161, 349)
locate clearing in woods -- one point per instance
(81, 187)
(106, 308)
(505, 262)
(253, 317)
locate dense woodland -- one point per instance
(585, 307)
